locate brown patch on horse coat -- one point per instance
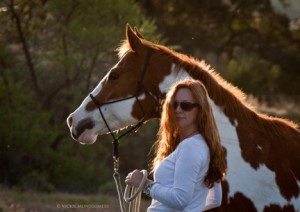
(278, 208)
(236, 203)
(114, 89)
(151, 80)
(130, 68)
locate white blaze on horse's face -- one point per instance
(82, 123)
(85, 125)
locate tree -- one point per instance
(248, 42)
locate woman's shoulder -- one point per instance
(194, 147)
(195, 141)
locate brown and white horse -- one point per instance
(263, 153)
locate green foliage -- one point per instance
(25, 131)
(71, 45)
(28, 156)
(260, 74)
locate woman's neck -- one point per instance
(188, 134)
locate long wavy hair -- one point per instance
(169, 134)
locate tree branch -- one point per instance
(90, 72)
(25, 48)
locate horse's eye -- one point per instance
(113, 76)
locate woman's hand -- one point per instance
(134, 178)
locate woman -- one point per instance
(189, 162)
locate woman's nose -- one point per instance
(178, 109)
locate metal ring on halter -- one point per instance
(140, 188)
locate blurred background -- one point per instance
(54, 52)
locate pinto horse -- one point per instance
(263, 153)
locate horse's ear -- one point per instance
(138, 33)
(134, 41)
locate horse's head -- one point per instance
(126, 96)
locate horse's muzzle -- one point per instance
(83, 125)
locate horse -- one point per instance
(262, 152)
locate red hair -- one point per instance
(168, 134)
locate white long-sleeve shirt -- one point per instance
(180, 179)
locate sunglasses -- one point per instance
(185, 106)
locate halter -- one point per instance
(139, 90)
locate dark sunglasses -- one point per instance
(185, 106)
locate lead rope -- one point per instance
(135, 193)
(116, 176)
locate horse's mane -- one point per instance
(230, 98)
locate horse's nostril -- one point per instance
(69, 121)
(83, 125)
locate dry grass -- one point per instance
(13, 200)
